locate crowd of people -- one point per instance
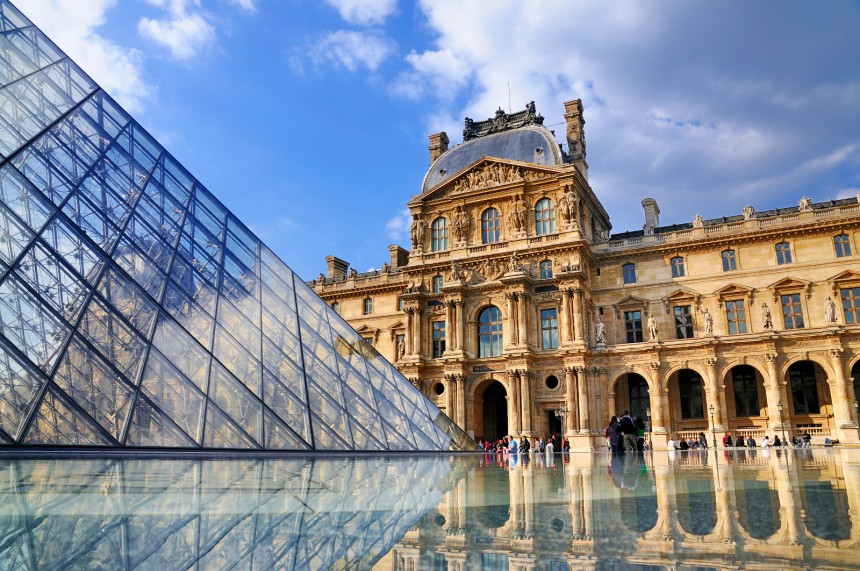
(625, 434)
(537, 445)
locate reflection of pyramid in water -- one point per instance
(135, 310)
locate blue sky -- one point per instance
(309, 118)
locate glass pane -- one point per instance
(92, 222)
(173, 394)
(182, 351)
(190, 315)
(140, 268)
(56, 423)
(221, 432)
(239, 361)
(19, 387)
(247, 334)
(331, 414)
(19, 196)
(236, 401)
(30, 327)
(279, 437)
(194, 284)
(91, 383)
(58, 286)
(150, 427)
(74, 251)
(286, 404)
(115, 340)
(124, 296)
(14, 236)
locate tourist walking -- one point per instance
(628, 427)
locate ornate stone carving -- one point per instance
(600, 332)
(519, 209)
(568, 205)
(456, 273)
(460, 225)
(501, 122)
(532, 176)
(829, 311)
(652, 328)
(490, 175)
(698, 221)
(766, 320)
(749, 212)
(708, 321)
(417, 231)
(805, 204)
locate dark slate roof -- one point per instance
(517, 145)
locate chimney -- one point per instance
(576, 135)
(336, 268)
(399, 256)
(438, 145)
(652, 214)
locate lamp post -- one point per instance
(648, 416)
(713, 432)
(781, 423)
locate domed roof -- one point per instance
(530, 144)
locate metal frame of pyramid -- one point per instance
(137, 311)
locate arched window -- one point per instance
(490, 332)
(439, 235)
(544, 217)
(491, 226)
(437, 284)
(804, 389)
(729, 261)
(745, 387)
(690, 391)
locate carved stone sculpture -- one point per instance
(709, 322)
(805, 204)
(698, 221)
(461, 225)
(456, 273)
(514, 264)
(829, 311)
(567, 205)
(600, 332)
(401, 349)
(749, 212)
(416, 232)
(520, 209)
(490, 175)
(652, 329)
(766, 319)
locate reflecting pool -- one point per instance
(693, 510)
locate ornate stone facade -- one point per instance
(519, 312)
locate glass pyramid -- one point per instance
(137, 311)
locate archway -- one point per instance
(808, 396)
(495, 411)
(632, 393)
(746, 401)
(687, 400)
(855, 374)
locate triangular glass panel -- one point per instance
(162, 288)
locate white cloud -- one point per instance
(352, 50)
(73, 25)
(364, 12)
(695, 106)
(398, 227)
(185, 31)
(249, 5)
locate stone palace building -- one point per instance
(519, 312)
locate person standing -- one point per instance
(628, 427)
(703, 440)
(616, 439)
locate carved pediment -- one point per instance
(848, 277)
(681, 297)
(732, 290)
(789, 283)
(630, 302)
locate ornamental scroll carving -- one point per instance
(490, 175)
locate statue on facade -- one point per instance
(416, 232)
(321, 278)
(749, 212)
(461, 225)
(766, 319)
(519, 213)
(567, 205)
(709, 321)
(469, 129)
(829, 311)
(386, 268)
(401, 349)
(805, 204)
(514, 264)
(600, 332)
(652, 328)
(698, 221)
(353, 273)
(456, 274)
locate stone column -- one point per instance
(461, 401)
(570, 387)
(526, 402)
(842, 407)
(416, 326)
(578, 332)
(511, 301)
(529, 499)
(774, 394)
(658, 413)
(407, 337)
(790, 519)
(582, 397)
(565, 317)
(514, 404)
(450, 336)
(725, 528)
(523, 323)
(714, 396)
(450, 392)
(461, 321)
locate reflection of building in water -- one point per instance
(758, 508)
(222, 514)
(515, 301)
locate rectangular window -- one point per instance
(546, 269)
(368, 306)
(842, 245)
(683, 322)
(792, 314)
(783, 253)
(438, 337)
(629, 273)
(678, 267)
(736, 316)
(729, 261)
(437, 284)
(851, 305)
(369, 340)
(549, 328)
(633, 325)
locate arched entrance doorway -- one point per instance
(631, 393)
(808, 396)
(495, 411)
